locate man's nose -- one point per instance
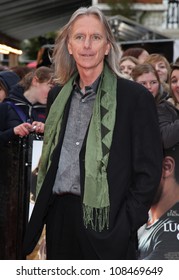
(87, 42)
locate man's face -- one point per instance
(88, 43)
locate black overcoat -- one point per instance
(133, 172)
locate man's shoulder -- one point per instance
(130, 84)
(131, 90)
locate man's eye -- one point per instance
(79, 37)
(96, 37)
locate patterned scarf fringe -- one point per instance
(96, 219)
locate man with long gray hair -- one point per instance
(102, 154)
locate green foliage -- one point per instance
(121, 7)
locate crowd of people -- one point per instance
(107, 176)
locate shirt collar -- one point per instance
(88, 89)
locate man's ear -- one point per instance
(69, 47)
(108, 48)
(168, 166)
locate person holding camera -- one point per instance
(22, 112)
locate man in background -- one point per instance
(159, 238)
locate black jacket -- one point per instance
(133, 172)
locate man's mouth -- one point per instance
(87, 55)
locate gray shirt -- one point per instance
(68, 173)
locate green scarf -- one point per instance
(96, 202)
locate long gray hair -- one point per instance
(64, 63)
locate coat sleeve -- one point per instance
(147, 155)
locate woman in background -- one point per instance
(127, 64)
(162, 67)
(146, 75)
(25, 107)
